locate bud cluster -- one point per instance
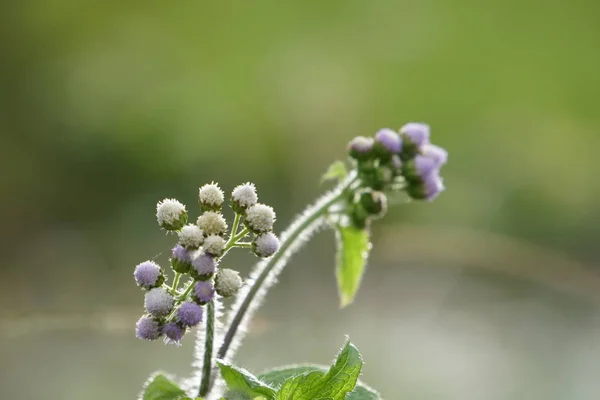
(172, 310)
(392, 161)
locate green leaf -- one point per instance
(275, 377)
(159, 387)
(353, 247)
(333, 385)
(337, 170)
(241, 381)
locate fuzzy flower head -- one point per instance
(433, 186)
(203, 292)
(148, 275)
(180, 260)
(212, 223)
(427, 162)
(158, 302)
(191, 237)
(428, 189)
(415, 133)
(243, 196)
(147, 328)
(388, 142)
(171, 214)
(265, 244)
(227, 282)
(214, 245)
(189, 314)
(203, 266)
(260, 218)
(436, 153)
(360, 147)
(211, 197)
(173, 332)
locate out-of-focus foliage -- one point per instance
(107, 107)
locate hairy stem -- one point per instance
(207, 366)
(265, 272)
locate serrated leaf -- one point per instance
(333, 385)
(353, 247)
(242, 381)
(162, 388)
(276, 376)
(337, 170)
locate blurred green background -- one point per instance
(490, 292)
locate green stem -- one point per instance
(234, 228)
(291, 240)
(185, 294)
(244, 244)
(207, 366)
(176, 282)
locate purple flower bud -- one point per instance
(148, 275)
(360, 147)
(417, 133)
(181, 260)
(181, 254)
(436, 153)
(427, 189)
(204, 292)
(203, 266)
(173, 332)
(433, 186)
(265, 245)
(428, 162)
(158, 302)
(425, 165)
(389, 140)
(189, 314)
(147, 328)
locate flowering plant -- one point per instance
(390, 163)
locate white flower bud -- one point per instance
(265, 244)
(212, 223)
(158, 302)
(260, 218)
(211, 197)
(191, 237)
(171, 214)
(243, 196)
(214, 245)
(227, 282)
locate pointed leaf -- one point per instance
(241, 381)
(333, 385)
(275, 377)
(160, 387)
(337, 170)
(353, 247)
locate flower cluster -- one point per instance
(172, 310)
(393, 161)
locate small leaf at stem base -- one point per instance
(353, 247)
